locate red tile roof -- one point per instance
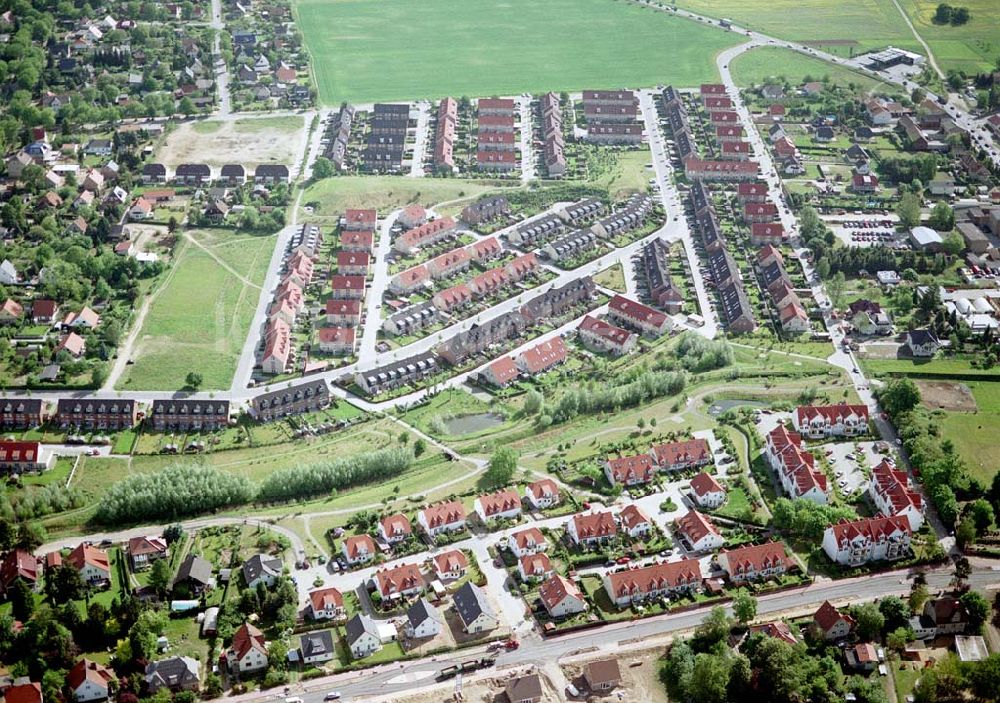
(529, 538)
(556, 589)
(503, 370)
(637, 311)
(86, 670)
(605, 330)
(592, 525)
(536, 564)
(326, 599)
(401, 578)
(397, 524)
(247, 637)
(444, 513)
(632, 469)
(543, 488)
(451, 561)
(704, 483)
(357, 545)
(499, 502)
(686, 452)
(828, 616)
(755, 557)
(696, 526)
(544, 356)
(632, 516)
(654, 578)
(873, 528)
(85, 554)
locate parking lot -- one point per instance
(852, 462)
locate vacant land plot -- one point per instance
(202, 312)
(941, 395)
(974, 433)
(972, 47)
(482, 47)
(249, 141)
(767, 63)
(865, 24)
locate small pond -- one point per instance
(469, 424)
(721, 406)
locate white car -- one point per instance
(332, 696)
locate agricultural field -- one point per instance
(250, 141)
(972, 48)
(765, 64)
(974, 433)
(200, 316)
(845, 28)
(599, 44)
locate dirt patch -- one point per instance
(250, 141)
(640, 681)
(943, 395)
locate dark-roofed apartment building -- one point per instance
(192, 174)
(268, 174)
(557, 301)
(486, 210)
(480, 337)
(397, 374)
(301, 398)
(21, 413)
(233, 174)
(659, 282)
(96, 413)
(190, 414)
(154, 173)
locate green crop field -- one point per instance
(200, 317)
(760, 65)
(838, 27)
(365, 50)
(972, 47)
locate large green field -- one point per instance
(365, 50)
(974, 434)
(767, 63)
(839, 27)
(973, 47)
(201, 314)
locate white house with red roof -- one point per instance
(860, 541)
(500, 373)
(326, 604)
(359, 220)
(634, 315)
(450, 565)
(90, 681)
(543, 493)
(502, 505)
(92, 563)
(535, 567)
(653, 581)
(682, 455)
(755, 562)
(699, 532)
(542, 357)
(891, 493)
(598, 335)
(248, 652)
(708, 493)
(562, 597)
(795, 466)
(144, 550)
(821, 421)
(448, 516)
(629, 470)
(358, 549)
(588, 529)
(395, 528)
(527, 541)
(404, 580)
(18, 565)
(831, 623)
(634, 522)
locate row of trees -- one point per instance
(597, 398)
(808, 520)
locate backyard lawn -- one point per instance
(479, 47)
(200, 316)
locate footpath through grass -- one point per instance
(200, 318)
(360, 48)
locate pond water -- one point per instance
(468, 424)
(721, 406)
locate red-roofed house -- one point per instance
(453, 298)
(486, 249)
(336, 340)
(752, 192)
(395, 528)
(795, 466)
(18, 565)
(357, 241)
(891, 493)
(521, 266)
(760, 212)
(778, 629)
(598, 335)
(326, 604)
(450, 565)
(561, 597)
(629, 470)
(90, 681)
(864, 183)
(682, 455)
(353, 263)
(635, 523)
(755, 562)
(868, 539)
(637, 316)
(501, 372)
(248, 652)
(504, 505)
(821, 421)
(404, 580)
(442, 517)
(699, 532)
(358, 549)
(359, 220)
(766, 233)
(542, 357)
(450, 263)
(424, 235)
(73, 344)
(24, 457)
(143, 551)
(410, 280)
(587, 529)
(543, 493)
(347, 287)
(528, 541)
(92, 563)
(535, 567)
(708, 493)
(23, 693)
(833, 624)
(654, 581)
(343, 313)
(277, 346)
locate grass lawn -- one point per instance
(765, 63)
(974, 434)
(972, 48)
(200, 316)
(613, 278)
(621, 172)
(905, 679)
(856, 25)
(519, 46)
(944, 366)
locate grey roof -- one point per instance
(293, 394)
(358, 626)
(261, 564)
(172, 672)
(920, 337)
(420, 611)
(524, 688)
(194, 568)
(271, 170)
(470, 603)
(316, 643)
